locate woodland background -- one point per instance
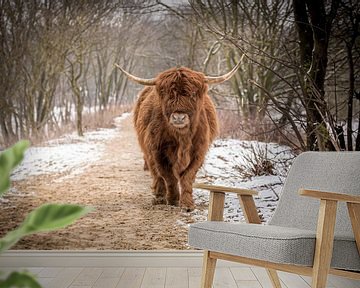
(298, 84)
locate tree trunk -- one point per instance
(357, 143)
(305, 33)
(79, 109)
(350, 98)
(318, 136)
(306, 44)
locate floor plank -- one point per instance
(293, 280)
(50, 272)
(132, 277)
(248, 284)
(44, 282)
(87, 277)
(263, 278)
(241, 274)
(112, 272)
(35, 270)
(65, 278)
(177, 278)
(340, 282)
(154, 278)
(224, 278)
(194, 275)
(108, 282)
(308, 280)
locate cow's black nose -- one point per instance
(178, 117)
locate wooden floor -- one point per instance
(170, 277)
(175, 270)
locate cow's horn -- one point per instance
(223, 78)
(142, 81)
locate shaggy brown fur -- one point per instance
(172, 154)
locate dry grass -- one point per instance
(91, 121)
(232, 125)
(104, 119)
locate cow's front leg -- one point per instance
(159, 191)
(172, 188)
(158, 185)
(164, 169)
(186, 199)
(187, 179)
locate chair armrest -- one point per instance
(223, 189)
(323, 195)
(327, 219)
(217, 198)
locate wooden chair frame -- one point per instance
(324, 235)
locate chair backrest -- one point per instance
(326, 171)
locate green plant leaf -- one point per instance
(45, 218)
(20, 280)
(10, 239)
(49, 217)
(9, 159)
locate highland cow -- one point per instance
(176, 122)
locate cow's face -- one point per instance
(181, 92)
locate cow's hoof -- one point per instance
(187, 202)
(187, 209)
(173, 202)
(159, 201)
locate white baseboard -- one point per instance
(114, 258)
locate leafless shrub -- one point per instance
(257, 162)
(235, 126)
(92, 121)
(105, 118)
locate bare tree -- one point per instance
(45, 42)
(253, 28)
(314, 28)
(265, 84)
(346, 34)
(264, 32)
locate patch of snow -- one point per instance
(13, 192)
(123, 116)
(70, 153)
(224, 164)
(181, 223)
(57, 159)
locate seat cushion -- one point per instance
(270, 243)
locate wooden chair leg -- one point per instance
(274, 278)
(208, 270)
(324, 243)
(354, 212)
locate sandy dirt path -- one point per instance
(119, 190)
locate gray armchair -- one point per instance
(314, 231)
